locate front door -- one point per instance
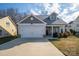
(56, 29)
(48, 30)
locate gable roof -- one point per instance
(42, 17)
(76, 19)
(59, 22)
(28, 20)
(71, 22)
(50, 21)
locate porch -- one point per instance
(54, 30)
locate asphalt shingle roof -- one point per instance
(50, 21)
(29, 20)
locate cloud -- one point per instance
(51, 7)
(34, 12)
(70, 13)
(56, 7)
(74, 6)
(67, 14)
(46, 8)
(64, 12)
(70, 17)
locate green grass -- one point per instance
(68, 46)
(7, 39)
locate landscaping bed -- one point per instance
(7, 39)
(68, 46)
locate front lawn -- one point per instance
(6, 39)
(68, 46)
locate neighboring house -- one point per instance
(69, 26)
(7, 27)
(3, 33)
(33, 26)
(74, 25)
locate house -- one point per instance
(74, 25)
(7, 27)
(33, 26)
(3, 33)
(69, 26)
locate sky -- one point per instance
(66, 11)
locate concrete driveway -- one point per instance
(29, 47)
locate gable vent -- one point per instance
(31, 18)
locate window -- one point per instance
(52, 17)
(77, 25)
(7, 23)
(0, 32)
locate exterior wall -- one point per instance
(4, 33)
(76, 25)
(72, 26)
(27, 29)
(68, 27)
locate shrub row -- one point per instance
(61, 35)
(64, 35)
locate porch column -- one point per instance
(64, 28)
(52, 31)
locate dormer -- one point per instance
(53, 16)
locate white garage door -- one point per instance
(32, 31)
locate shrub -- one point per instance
(55, 34)
(65, 34)
(69, 33)
(73, 31)
(60, 35)
(77, 34)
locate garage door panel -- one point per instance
(32, 31)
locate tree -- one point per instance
(13, 13)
